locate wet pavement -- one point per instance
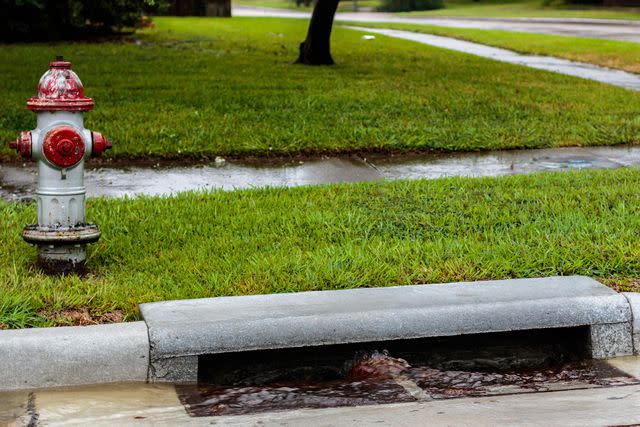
(17, 182)
(547, 63)
(594, 28)
(378, 389)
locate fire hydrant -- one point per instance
(60, 144)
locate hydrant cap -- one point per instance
(60, 89)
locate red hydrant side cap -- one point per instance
(63, 147)
(23, 144)
(99, 144)
(60, 89)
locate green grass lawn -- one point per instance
(331, 237)
(199, 87)
(527, 8)
(608, 53)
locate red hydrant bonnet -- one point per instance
(60, 89)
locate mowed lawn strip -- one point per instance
(202, 87)
(607, 53)
(331, 237)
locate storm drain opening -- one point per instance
(396, 371)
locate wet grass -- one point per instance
(201, 87)
(330, 237)
(608, 53)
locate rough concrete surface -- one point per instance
(52, 357)
(611, 340)
(219, 325)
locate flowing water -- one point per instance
(379, 378)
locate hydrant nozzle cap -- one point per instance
(60, 89)
(59, 62)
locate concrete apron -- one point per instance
(165, 346)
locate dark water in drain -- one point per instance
(377, 378)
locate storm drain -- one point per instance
(183, 334)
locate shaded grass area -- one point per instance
(608, 53)
(201, 87)
(331, 237)
(528, 8)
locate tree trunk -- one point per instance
(316, 50)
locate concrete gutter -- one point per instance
(166, 345)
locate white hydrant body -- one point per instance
(60, 144)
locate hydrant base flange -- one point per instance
(61, 250)
(38, 235)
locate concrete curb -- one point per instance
(166, 345)
(52, 357)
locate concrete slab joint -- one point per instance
(634, 302)
(180, 331)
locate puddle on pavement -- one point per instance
(17, 182)
(395, 372)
